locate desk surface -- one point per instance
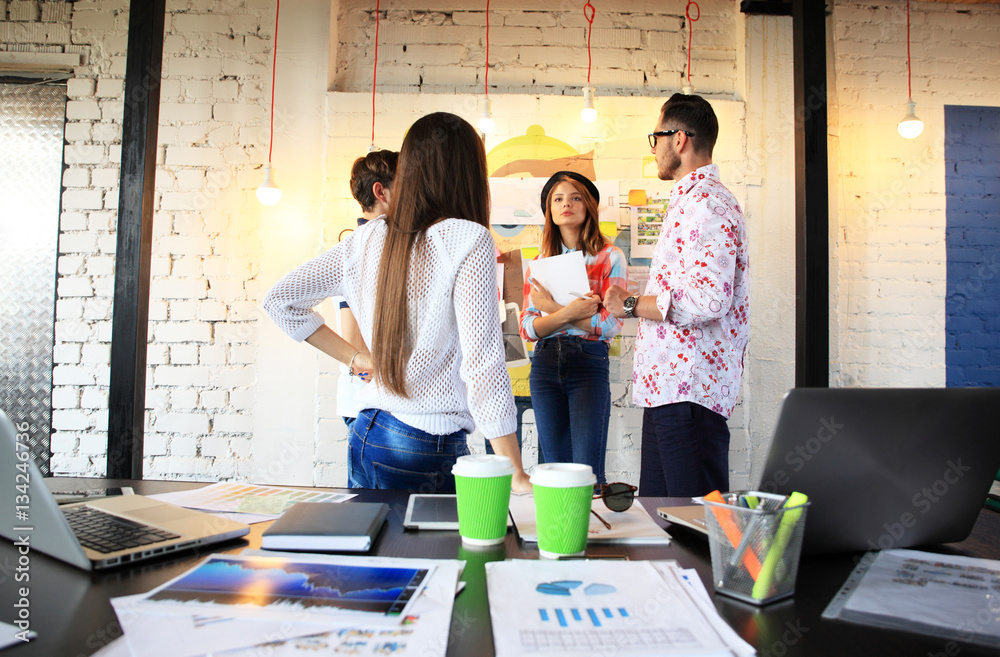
(72, 615)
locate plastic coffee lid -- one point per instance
(563, 475)
(482, 465)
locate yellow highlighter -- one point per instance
(762, 587)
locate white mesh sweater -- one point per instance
(456, 376)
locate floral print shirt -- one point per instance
(700, 277)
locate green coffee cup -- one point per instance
(563, 493)
(482, 484)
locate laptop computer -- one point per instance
(885, 468)
(112, 530)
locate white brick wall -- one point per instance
(215, 251)
(424, 48)
(888, 193)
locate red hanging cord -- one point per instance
(687, 12)
(375, 67)
(486, 76)
(909, 84)
(590, 20)
(274, 46)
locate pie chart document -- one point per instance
(632, 608)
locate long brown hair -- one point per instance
(441, 174)
(591, 240)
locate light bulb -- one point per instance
(910, 127)
(589, 112)
(268, 193)
(486, 123)
(687, 89)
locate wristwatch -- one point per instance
(629, 305)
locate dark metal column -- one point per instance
(127, 395)
(812, 208)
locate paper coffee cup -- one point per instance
(563, 493)
(482, 484)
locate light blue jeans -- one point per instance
(383, 452)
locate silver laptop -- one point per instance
(886, 468)
(112, 531)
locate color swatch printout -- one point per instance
(231, 584)
(248, 498)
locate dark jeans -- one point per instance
(685, 451)
(383, 452)
(571, 395)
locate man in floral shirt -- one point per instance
(693, 326)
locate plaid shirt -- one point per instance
(605, 269)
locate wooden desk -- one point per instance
(71, 613)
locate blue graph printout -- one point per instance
(578, 608)
(279, 583)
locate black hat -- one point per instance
(583, 180)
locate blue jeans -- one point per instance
(685, 451)
(383, 452)
(571, 395)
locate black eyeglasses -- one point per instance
(665, 133)
(617, 496)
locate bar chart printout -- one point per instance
(570, 608)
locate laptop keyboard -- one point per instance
(105, 532)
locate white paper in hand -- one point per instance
(562, 275)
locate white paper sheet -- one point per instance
(634, 526)
(175, 632)
(937, 594)
(264, 502)
(562, 275)
(10, 635)
(582, 608)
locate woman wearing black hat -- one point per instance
(570, 388)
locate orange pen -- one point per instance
(733, 533)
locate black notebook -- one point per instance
(326, 526)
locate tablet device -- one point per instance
(433, 512)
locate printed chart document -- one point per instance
(365, 619)
(570, 608)
(942, 595)
(633, 527)
(261, 502)
(562, 275)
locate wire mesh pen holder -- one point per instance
(755, 543)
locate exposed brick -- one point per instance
(183, 332)
(21, 10)
(168, 375)
(193, 156)
(82, 110)
(189, 423)
(178, 289)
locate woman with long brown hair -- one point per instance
(570, 382)
(422, 284)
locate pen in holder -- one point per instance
(755, 539)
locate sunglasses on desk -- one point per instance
(617, 496)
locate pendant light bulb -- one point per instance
(268, 193)
(687, 90)
(911, 126)
(486, 123)
(589, 112)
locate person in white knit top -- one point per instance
(421, 282)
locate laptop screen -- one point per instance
(885, 467)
